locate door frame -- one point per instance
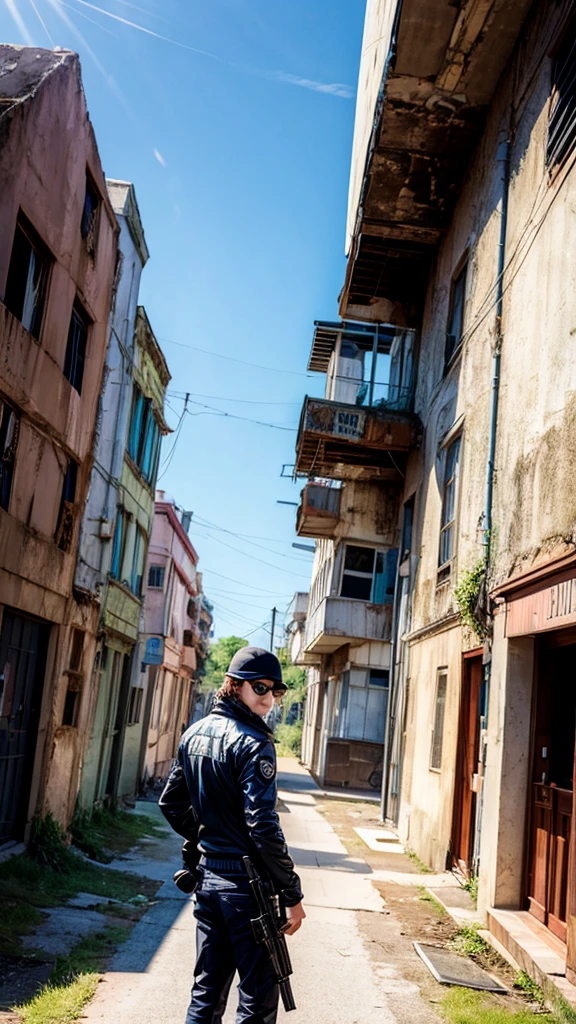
(469, 658)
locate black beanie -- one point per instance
(251, 663)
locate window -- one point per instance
(75, 677)
(448, 524)
(156, 576)
(407, 525)
(65, 527)
(89, 220)
(119, 543)
(135, 705)
(27, 277)
(9, 430)
(138, 562)
(438, 728)
(455, 316)
(363, 702)
(368, 574)
(144, 436)
(76, 348)
(379, 677)
(562, 123)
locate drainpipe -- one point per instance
(502, 158)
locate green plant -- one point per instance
(422, 867)
(48, 844)
(467, 942)
(529, 986)
(24, 879)
(467, 594)
(471, 886)
(105, 832)
(431, 900)
(288, 740)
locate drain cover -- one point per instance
(450, 969)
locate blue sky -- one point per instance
(240, 157)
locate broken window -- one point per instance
(144, 436)
(27, 277)
(75, 677)
(455, 317)
(76, 347)
(65, 527)
(448, 523)
(438, 727)
(9, 430)
(369, 574)
(562, 122)
(156, 576)
(89, 223)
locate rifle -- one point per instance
(268, 932)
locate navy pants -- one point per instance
(225, 944)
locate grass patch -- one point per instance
(432, 902)
(467, 942)
(529, 987)
(105, 833)
(288, 740)
(74, 979)
(59, 1004)
(23, 880)
(17, 918)
(465, 1006)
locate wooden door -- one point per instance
(464, 818)
(23, 645)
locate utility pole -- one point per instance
(273, 630)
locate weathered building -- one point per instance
(118, 518)
(58, 239)
(460, 225)
(174, 641)
(353, 446)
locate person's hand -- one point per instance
(294, 916)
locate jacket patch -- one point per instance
(267, 769)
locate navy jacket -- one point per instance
(221, 794)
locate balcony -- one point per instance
(298, 654)
(340, 441)
(343, 620)
(319, 511)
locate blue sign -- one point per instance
(154, 653)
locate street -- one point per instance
(335, 980)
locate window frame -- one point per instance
(383, 578)
(89, 227)
(75, 361)
(144, 436)
(453, 344)
(556, 156)
(25, 229)
(119, 543)
(63, 534)
(449, 526)
(438, 723)
(138, 556)
(162, 570)
(9, 434)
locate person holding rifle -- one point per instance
(221, 798)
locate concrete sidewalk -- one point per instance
(335, 980)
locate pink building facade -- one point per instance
(58, 246)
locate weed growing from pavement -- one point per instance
(467, 942)
(422, 867)
(432, 902)
(59, 1004)
(529, 986)
(466, 1006)
(471, 886)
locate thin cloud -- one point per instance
(148, 31)
(42, 22)
(10, 4)
(345, 92)
(159, 157)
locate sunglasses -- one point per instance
(260, 689)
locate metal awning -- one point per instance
(361, 334)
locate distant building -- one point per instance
(58, 244)
(174, 641)
(118, 517)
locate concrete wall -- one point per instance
(46, 146)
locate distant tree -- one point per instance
(220, 656)
(294, 677)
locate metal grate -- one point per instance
(562, 124)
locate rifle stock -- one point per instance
(267, 931)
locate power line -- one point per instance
(212, 411)
(247, 554)
(239, 582)
(232, 359)
(226, 398)
(253, 543)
